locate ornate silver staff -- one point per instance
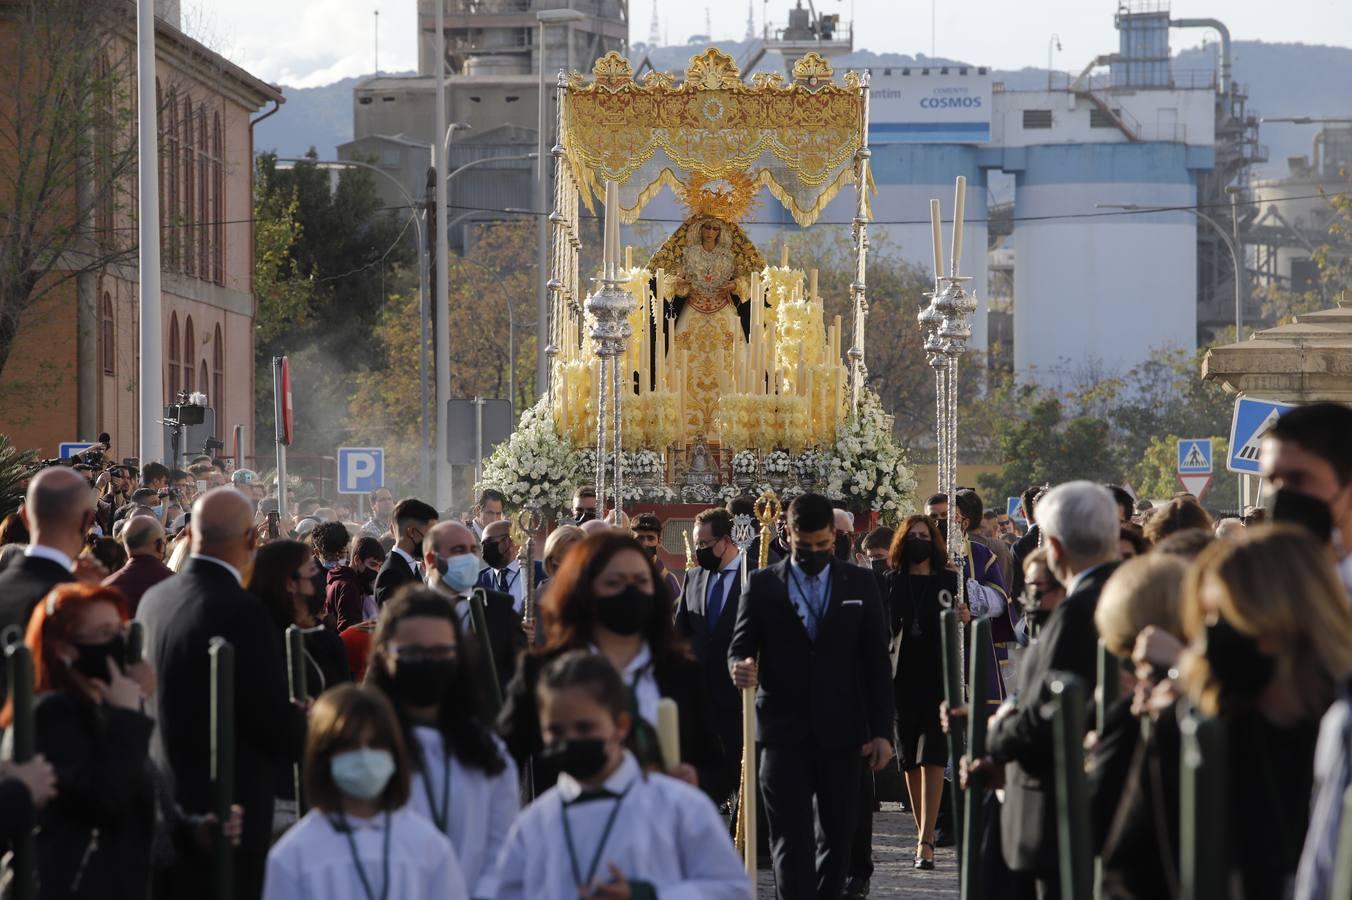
(528, 521)
(744, 535)
(610, 308)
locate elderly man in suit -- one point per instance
(58, 511)
(143, 538)
(181, 616)
(1079, 521)
(704, 617)
(810, 631)
(502, 572)
(452, 562)
(412, 520)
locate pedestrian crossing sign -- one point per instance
(1252, 420)
(1194, 456)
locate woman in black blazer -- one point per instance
(608, 598)
(95, 836)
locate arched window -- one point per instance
(107, 344)
(172, 381)
(218, 204)
(188, 150)
(217, 398)
(170, 224)
(189, 356)
(206, 214)
(203, 380)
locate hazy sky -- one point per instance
(303, 43)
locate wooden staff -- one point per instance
(1203, 848)
(19, 662)
(222, 655)
(974, 810)
(951, 646)
(478, 614)
(1074, 849)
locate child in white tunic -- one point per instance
(608, 830)
(464, 781)
(359, 841)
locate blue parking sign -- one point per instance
(1251, 422)
(360, 469)
(71, 448)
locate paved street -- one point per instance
(893, 853)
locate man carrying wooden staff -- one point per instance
(824, 702)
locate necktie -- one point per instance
(814, 601)
(715, 600)
(504, 584)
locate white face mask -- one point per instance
(362, 773)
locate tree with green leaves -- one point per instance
(1155, 476)
(15, 468)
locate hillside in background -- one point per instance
(1282, 80)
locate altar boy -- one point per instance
(609, 830)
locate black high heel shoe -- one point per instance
(920, 861)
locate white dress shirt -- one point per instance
(42, 551)
(516, 585)
(664, 832)
(480, 807)
(638, 677)
(222, 563)
(412, 563)
(313, 861)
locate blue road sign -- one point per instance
(360, 469)
(70, 448)
(1194, 456)
(1014, 509)
(1251, 421)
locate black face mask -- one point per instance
(1309, 512)
(493, 555)
(943, 528)
(91, 660)
(582, 758)
(843, 547)
(708, 559)
(424, 682)
(627, 612)
(813, 562)
(1242, 669)
(916, 550)
(585, 515)
(367, 577)
(879, 566)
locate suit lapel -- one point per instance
(785, 601)
(833, 598)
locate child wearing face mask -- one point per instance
(464, 781)
(608, 830)
(360, 841)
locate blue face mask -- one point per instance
(362, 773)
(158, 510)
(461, 572)
(330, 563)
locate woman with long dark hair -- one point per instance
(919, 575)
(283, 577)
(464, 781)
(608, 599)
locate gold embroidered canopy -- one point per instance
(798, 139)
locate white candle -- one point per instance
(959, 201)
(784, 255)
(629, 256)
(812, 285)
(937, 229)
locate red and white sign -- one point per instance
(1195, 484)
(286, 420)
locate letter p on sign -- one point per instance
(360, 469)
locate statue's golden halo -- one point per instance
(730, 197)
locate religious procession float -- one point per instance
(706, 371)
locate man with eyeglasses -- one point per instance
(502, 569)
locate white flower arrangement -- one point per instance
(643, 464)
(536, 466)
(866, 468)
(777, 463)
(744, 464)
(810, 467)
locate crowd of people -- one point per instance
(482, 722)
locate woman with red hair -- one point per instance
(607, 598)
(94, 837)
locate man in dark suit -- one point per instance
(1079, 521)
(144, 540)
(412, 520)
(811, 633)
(180, 617)
(452, 562)
(705, 616)
(58, 512)
(503, 570)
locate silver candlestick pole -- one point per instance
(609, 309)
(744, 535)
(947, 327)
